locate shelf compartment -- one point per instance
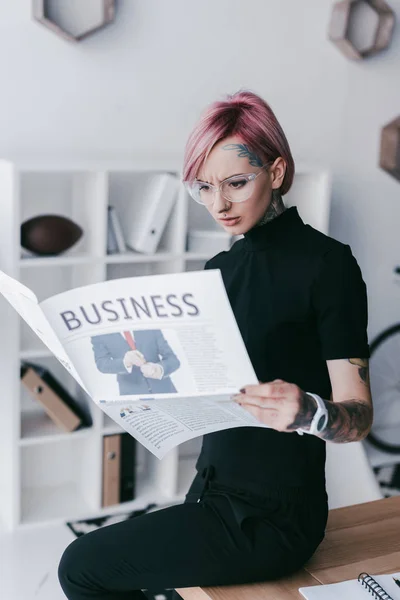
(143, 456)
(80, 196)
(56, 480)
(150, 473)
(130, 189)
(35, 424)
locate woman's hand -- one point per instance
(278, 404)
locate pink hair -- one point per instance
(247, 116)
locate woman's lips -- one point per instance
(229, 222)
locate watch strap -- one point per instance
(320, 412)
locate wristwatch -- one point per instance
(320, 419)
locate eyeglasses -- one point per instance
(238, 188)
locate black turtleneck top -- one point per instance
(299, 300)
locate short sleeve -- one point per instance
(210, 264)
(339, 298)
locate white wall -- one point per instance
(140, 84)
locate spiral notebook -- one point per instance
(381, 587)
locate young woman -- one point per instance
(257, 508)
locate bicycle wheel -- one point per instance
(385, 387)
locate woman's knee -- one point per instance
(71, 567)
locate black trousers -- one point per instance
(191, 544)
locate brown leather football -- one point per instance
(49, 234)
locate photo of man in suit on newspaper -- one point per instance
(142, 360)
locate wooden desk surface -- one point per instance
(362, 537)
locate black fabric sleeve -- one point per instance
(339, 298)
(210, 263)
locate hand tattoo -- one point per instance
(307, 410)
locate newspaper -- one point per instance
(161, 355)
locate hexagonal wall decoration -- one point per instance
(74, 20)
(390, 149)
(361, 28)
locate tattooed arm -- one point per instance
(350, 410)
(286, 407)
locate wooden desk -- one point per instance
(362, 537)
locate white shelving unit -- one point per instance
(46, 475)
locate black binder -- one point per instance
(119, 452)
(61, 407)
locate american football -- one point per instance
(48, 235)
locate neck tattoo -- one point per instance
(275, 208)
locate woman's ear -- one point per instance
(278, 170)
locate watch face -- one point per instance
(321, 422)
